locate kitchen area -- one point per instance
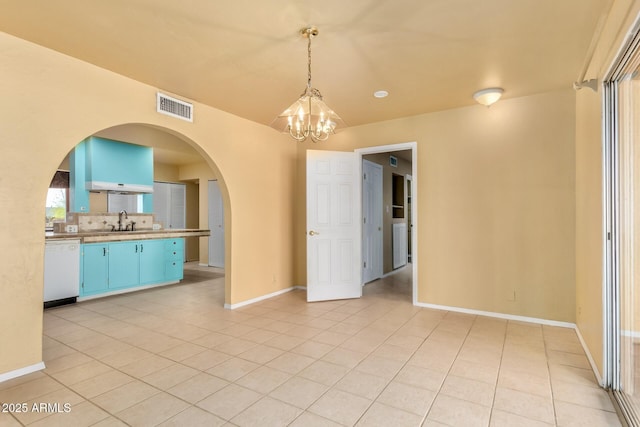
(113, 227)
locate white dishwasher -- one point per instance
(61, 272)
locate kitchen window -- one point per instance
(57, 203)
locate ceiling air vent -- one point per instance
(174, 107)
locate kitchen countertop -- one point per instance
(117, 236)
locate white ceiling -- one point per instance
(247, 57)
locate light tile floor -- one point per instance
(173, 356)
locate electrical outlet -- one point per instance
(71, 228)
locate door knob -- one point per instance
(313, 233)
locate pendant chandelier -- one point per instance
(309, 116)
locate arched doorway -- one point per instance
(177, 160)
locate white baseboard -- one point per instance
(262, 298)
(22, 371)
(499, 315)
(126, 290)
(594, 367)
(573, 326)
(630, 334)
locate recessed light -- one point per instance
(380, 93)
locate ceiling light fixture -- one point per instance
(488, 96)
(309, 116)
(381, 94)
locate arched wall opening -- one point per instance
(176, 158)
(53, 102)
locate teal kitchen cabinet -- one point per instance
(124, 264)
(99, 164)
(117, 266)
(94, 268)
(152, 261)
(116, 162)
(174, 257)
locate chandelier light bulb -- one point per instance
(313, 118)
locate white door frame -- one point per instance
(413, 146)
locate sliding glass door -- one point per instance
(622, 113)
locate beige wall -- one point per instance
(53, 101)
(165, 173)
(192, 220)
(496, 203)
(509, 197)
(589, 227)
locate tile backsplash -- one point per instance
(92, 222)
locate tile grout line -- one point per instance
(495, 390)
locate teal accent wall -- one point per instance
(147, 203)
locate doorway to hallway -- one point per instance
(399, 210)
(334, 232)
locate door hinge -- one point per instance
(608, 235)
(364, 220)
(365, 264)
(365, 176)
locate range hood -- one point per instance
(120, 188)
(118, 166)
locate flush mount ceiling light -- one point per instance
(488, 96)
(309, 116)
(381, 94)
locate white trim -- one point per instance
(592, 362)
(499, 315)
(113, 186)
(262, 298)
(413, 146)
(125, 291)
(22, 371)
(610, 270)
(630, 334)
(394, 271)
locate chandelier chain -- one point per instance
(309, 59)
(309, 116)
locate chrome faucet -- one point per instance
(126, 216)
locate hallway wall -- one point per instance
(496, 203)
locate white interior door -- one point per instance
(216, 225)
(333, 226)
(371, 221)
